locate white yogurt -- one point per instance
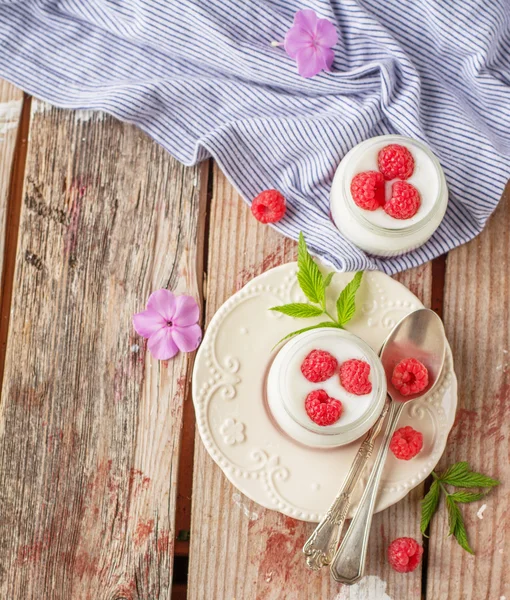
(375, 231)
(287, 389)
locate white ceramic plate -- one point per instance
(231, 409)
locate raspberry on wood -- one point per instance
(318, 366)
(268, 206)
(404, 554)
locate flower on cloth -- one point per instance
(309, 42)
(170, 323)
(232, 432)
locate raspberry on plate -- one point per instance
(404, 202)
(404, 554)
(406, 443)
(395, 162)
(354, 375)
(318, 366)
(410, 376)
(367, 190)
(268, 206)
(322, 409)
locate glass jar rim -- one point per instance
(415, 227)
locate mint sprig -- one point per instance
(314, 285)
(458, 475)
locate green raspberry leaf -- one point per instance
(309, 276)
(328, 279)
(469, 479)
(429, 505)
(299, 310)
(346, 303)
(453, 514)
(319, 325)
(465, 497)
(455, 470)
(460, 534)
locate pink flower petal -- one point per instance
(296, 39)
(306, 19)
(326, 34)
(187, 338)
(329, 57)
(148, 322)
(161, 345)
(310, 61)
(163, 302)
(186, 311)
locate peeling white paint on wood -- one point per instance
(9, 115)
(369, 588)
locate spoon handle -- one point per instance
(322, 544)
(349, 562)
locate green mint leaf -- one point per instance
(453, 514)
(429, 505)
(324, 324)
(456, 469)
(299, 310)
(469, 479)
(464, 497)
(309, 276)
(346, 303)
(461, 535)
(328, 279)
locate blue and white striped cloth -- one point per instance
(201, 77)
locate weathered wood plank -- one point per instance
(11, 100)
(90, 423)
(477, 319)
(258, 557)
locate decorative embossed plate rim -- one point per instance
(235, 424)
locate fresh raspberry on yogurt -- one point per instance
(367, 190)
(404, 202)
(318, 366)
(395, 162)
(323, 409)
(354, 377)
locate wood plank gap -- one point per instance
(187, 448)
(14, 201)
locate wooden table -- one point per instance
(102, 476)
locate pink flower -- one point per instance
(309, 41)
(170, 323)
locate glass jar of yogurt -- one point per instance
(375, 231)
(287, 389)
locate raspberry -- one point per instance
(367, 190)
(318, 366)
(404, 202)
(268, 206)
(322, 409)
(395, 161)
(410, 376)
(354, 377)
(404, 554)
(406, 443)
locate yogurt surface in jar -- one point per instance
(375, 231)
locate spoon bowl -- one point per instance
(418, 335)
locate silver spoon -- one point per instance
(419, 335)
